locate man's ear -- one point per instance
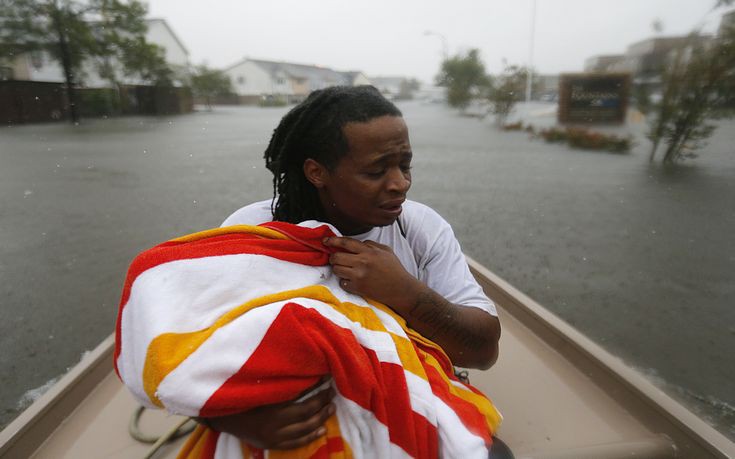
(315, 173)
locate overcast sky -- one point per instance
(383, 37)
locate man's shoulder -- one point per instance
(252, 214)
(420, 216)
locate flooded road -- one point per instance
(641, 258)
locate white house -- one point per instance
(38, 66)
(255, 79)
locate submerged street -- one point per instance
(638, 256)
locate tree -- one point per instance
(506, 90)
(208, 83)
(695, 88)
(464, 77)
(108, 32)
(407, 88)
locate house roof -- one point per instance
(171, 31)
(387, 82)
(312, 73)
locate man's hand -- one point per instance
(468, 335)
(372, 270)
(285, 425)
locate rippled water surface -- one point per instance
(641, 258)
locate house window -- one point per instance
(241, 80)
(37, 59)
(280, 81)
(6, 73)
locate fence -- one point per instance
(34, 101)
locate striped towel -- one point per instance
(225, 320)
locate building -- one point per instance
(174, 52)
(602, 63)
(389, 86)
(39, 66)
(645, 60)
(32, 86)
(257, 80)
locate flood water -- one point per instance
(639, 257)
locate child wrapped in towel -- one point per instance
(226, 320)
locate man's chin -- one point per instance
(387, 222)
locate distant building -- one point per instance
(389, 86)
(644, 60)
(174, 52)
(602, 63)
(357, 78)
(38, 66)
(254, 80)
(397, 87)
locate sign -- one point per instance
(589, 98)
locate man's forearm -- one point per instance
(468, 335)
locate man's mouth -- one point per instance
(393, 206)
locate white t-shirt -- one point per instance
(429, 250)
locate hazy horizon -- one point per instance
(383, 38)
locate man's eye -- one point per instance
(406, 167)
(376, 173)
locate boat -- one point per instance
(563, 397)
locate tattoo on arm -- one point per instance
(444, 319)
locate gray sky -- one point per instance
(383, 37)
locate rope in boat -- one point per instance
(175, 432)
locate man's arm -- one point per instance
(468, 335)
(284, 425)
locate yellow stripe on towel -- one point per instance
(249, 229)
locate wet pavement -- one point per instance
(639, 257)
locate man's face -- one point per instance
(369, 184)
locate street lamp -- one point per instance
(529, 76)
(445, 43)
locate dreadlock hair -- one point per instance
(313, 129)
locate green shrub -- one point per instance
(272, 101)
(587, 139)
(98, 102)
(513, 126)
(554, 135)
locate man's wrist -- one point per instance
(411, 293)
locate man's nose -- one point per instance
(399, 181)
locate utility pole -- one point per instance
(445, 43)
(529, 75)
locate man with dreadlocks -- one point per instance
(343, 157)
